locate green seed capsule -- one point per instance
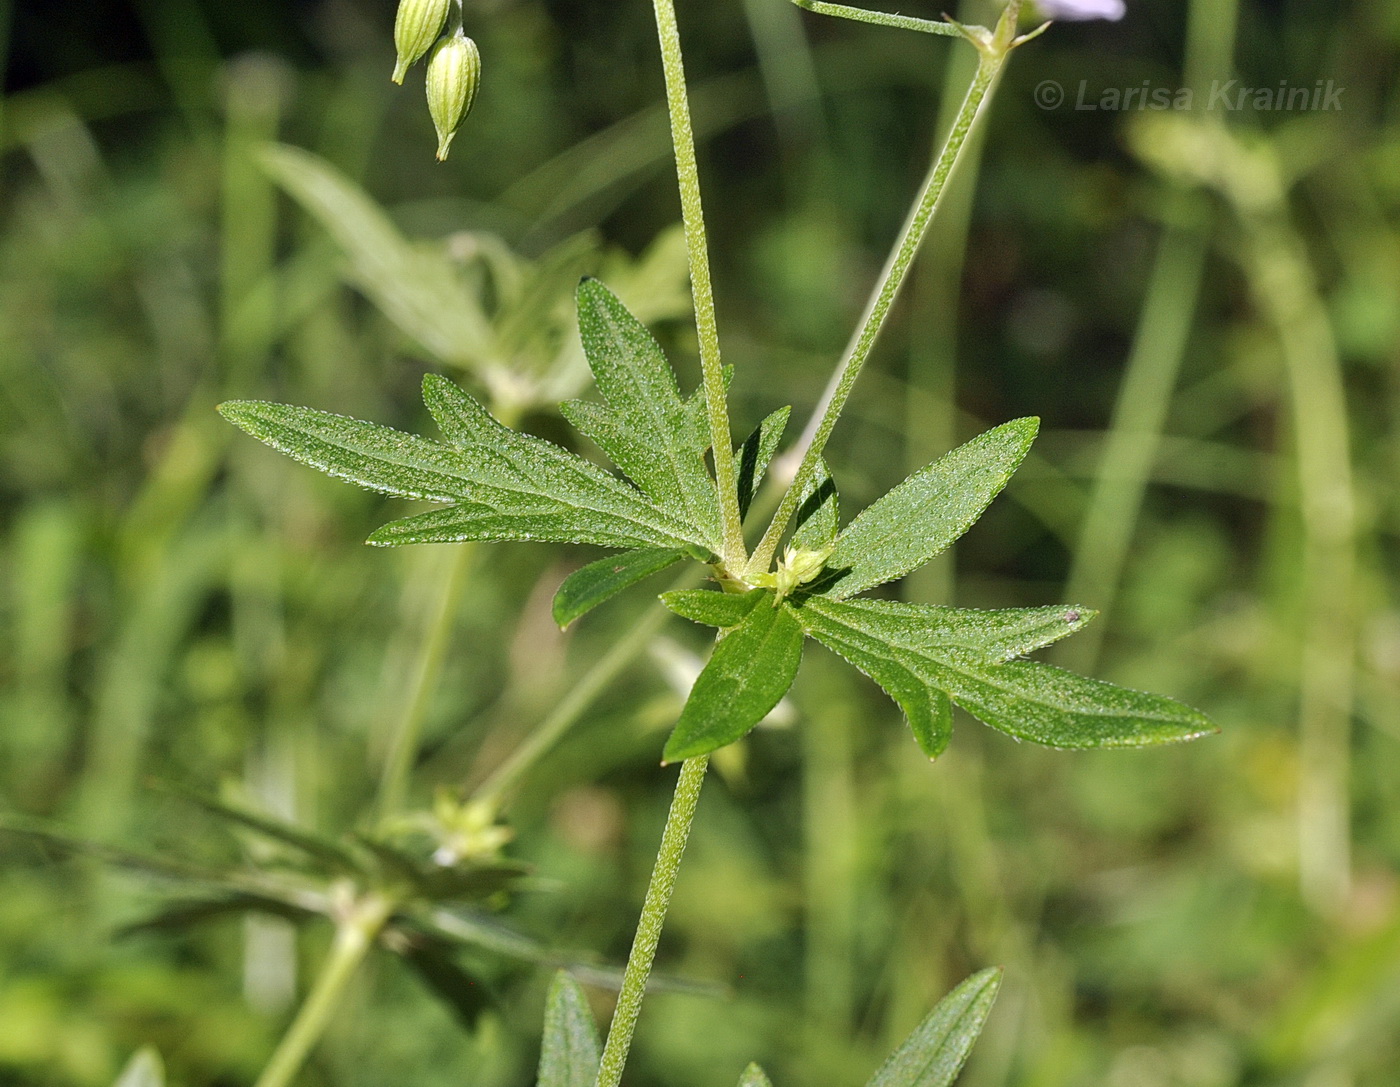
(454, 72)
(417, 25)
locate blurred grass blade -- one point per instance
(182, 915)
(750, 670)
(928, 511)
(585, 589)
(417, 289)
(754, 1076)
(143, 1070)
(570, 1054)
(937, 1050)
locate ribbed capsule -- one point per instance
(454, 72)
(417, 25)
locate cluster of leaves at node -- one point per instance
(441, 925)
(500, 484)
(932, 1056)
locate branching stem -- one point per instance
(992, 56)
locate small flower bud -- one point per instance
(454, 71)
(418, 24)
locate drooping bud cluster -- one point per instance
(434, 28)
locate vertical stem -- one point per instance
(393, 781)
(658, 898)
(354, 936)
(692, 216)
(896, 268)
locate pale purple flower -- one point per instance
(1079, 10)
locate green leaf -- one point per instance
(751, 668)
(723, 610)
(928, 511)
(416, 287)
(143, 1070)
(818, 513)
(434, 962)
(934, 1054)
(569, 1056)
(645, 428)
(585, 589)
(319, 846)
(922, 665)
(506, 485)
(753, 457)
(754, 1076)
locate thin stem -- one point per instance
(693, 218)
(354, 936)
(658, 898)
(897, 267)
(880, 18)
(492, 792)
(393, 781)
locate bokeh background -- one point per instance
(1202, 305)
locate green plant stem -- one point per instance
(880, 18)
(693, 218)
(493, 791)
(403, 749)
(989, 64)
(355, 934)
(658, 898)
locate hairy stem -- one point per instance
(901, 257)
(693, 218)
(354, 936)
(880, 18)
(658, 898)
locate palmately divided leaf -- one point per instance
(754, 1076)
(922, 669)
(928, 511)
(723, 610)
(646, 428)
(935, 1053)
(569, 1054)
(752, 458)
(586, 588)
(506, 485)
(750, 670)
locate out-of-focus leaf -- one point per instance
(434, 963)
(417, 288)
(751, 668)
(507, 486)
(645, 428)
(937, 1050)
(586, 588)
(319, 846)
(927, 512)
(921, 669)
(723, 610)
(440, 882)
(569, 1053)
(753, 457)
(754, 1076)
(145, 1069)
(177, 916)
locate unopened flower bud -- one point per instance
(454, 71)
(418, 24)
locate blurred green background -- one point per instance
(1202, 306)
